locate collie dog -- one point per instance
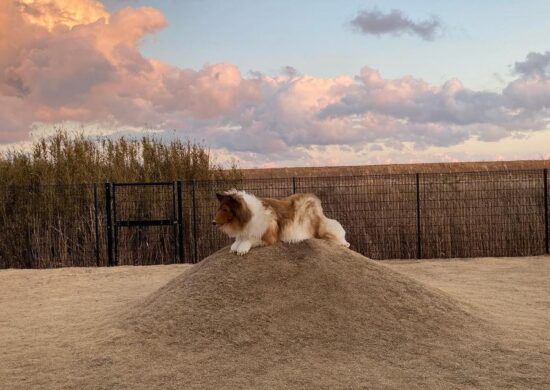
(254, 221)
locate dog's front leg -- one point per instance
(235, 245)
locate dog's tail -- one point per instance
(332, 230)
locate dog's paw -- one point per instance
(234, 247)
(345, 243)
(243, 247)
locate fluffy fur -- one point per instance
(254, 221)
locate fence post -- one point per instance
(293, 184)
(109, 224)
(181, 249)
(418, 232)
(174, 220)
(114, 224)
(96, 210)
(194, 205)
(546, 244)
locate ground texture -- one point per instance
(289, 316)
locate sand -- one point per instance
(310, 315)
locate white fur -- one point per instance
(336, 228)
(251, 235)
(296, 232)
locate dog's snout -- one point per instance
(214, 222)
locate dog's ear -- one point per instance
(230, 195)
(241, 210)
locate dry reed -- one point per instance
(48, 218)
(50, 207)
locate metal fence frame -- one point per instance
(416, 212)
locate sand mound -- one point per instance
(296, 296)
(309, 315)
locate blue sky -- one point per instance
(479, 42)
(281, 83)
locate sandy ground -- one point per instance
(511, 292)
(62, 328)
(43, 314)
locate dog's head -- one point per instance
(233, 213)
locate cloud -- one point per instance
(13, 115)
(69, 13)
(536, 64)
(374, 22)
(289, 71)
(447, 114)
(71, 61)
(286, 115)
(417, 101)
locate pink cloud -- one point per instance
(13, 115)
(212, 91)
(72, 60)
(53, 13)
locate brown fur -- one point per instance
(291, 219)
(283, 209)
(286, 210)
(271, 235)
(233, 211)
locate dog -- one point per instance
(254, 221)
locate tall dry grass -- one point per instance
(72, 158)
(48, 218)
(52, 200)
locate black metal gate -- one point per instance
(144, 223)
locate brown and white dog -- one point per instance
(256, 221)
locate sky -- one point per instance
(284, 83)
